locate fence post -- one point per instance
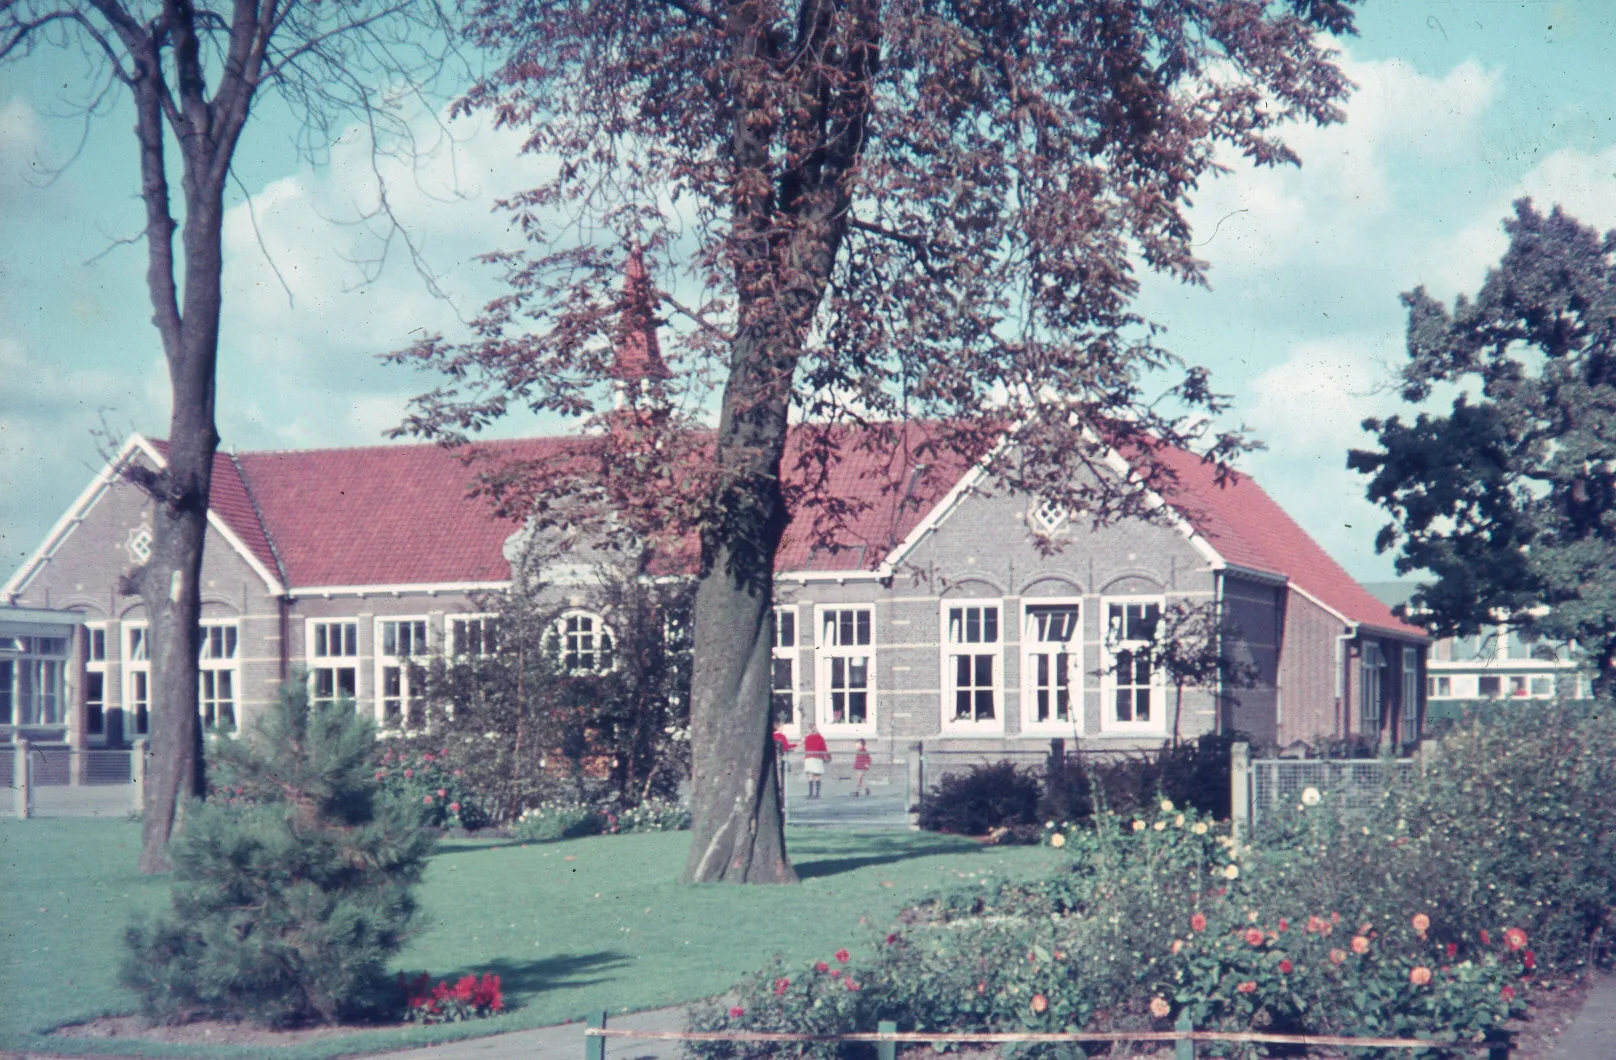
(595, 1048)
(137, 773)
(887, 1050)
(916, 781)
(1184, 1048)
(21, 779)
(1240, 790)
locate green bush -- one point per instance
(426, 778)
(291, 896)
(556, 819)
(654, 815)
(981, 799)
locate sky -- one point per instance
(1462, 106)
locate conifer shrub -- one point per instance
(291, 895)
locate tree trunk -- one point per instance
(738, 833)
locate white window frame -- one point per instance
(1438, 686)
(601, 648)
(136, 679)
(411, 699)
(830, 656)
(216, 671)
(1033, 649)
(46, 680)
(789, 656)
(1110, 644)
(95, 666)
(326, 662)
(455, 626)
(1410, 705)
(1371, 659)
(953, 650)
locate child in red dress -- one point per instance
(861, 766)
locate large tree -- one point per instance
(907, 211)
(1508, 501)
(195, 72)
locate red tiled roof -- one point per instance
(382, 515)
(230, 501)
(400, 515)
(1249, 530)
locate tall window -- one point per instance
(846, 657)
(32, 671)
(783, 645)
(971, 662)
(583, 642)
(1374, 687)
(472, 636)
(1411, 695)
(1134, 687)
(136, 680)
(218, 676)
(401, 681)
(333, 661)
(95, 680)
(1050, 664)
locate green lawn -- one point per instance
(570, 927)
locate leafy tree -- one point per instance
(292, 891)
(885, 214)
(522, 717)
(1509, 500)
(195, 72)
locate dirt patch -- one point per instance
(206, 1032)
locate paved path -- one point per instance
(565, 1042)
(1592, 1034)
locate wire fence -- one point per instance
(1352, 787)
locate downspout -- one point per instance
(1219, 578)
(1342, 684)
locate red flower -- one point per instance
(835, 973)
(1254, 937)
(737, 1012)
(1485, 941)
(1286, 967)
(842, 956)
(1247, 987)
(427, 757)
(409, 772)
(1508, 993)
(892, 938)
(1198, 922)
(1514, 938)
(1283, 926)
(1453, 950)
(780, 986)
(852, 985)
(1528, 959)
(821, 966)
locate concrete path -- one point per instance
(1592, 1034)
(565, 1042)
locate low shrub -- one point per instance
(983, 798)
(289, 898)
(654, 815)
(425, 778)
(559, 819)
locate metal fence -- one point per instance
(57, 780)
(1349, 786)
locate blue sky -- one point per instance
(1462, 106)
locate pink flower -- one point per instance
(821, 966)
(843, 955)
(1286, 967)
(1528, 959)
(427, 757)
(380, 773)
(1514, 938)
(780, 986)
(1254, 937)
(1198, 922)
(850, 984)
(1283, 926)
(1508, 993)
(1419, 975)
(892, 938)
(409, 772)
(1485, 941)
(737, 1012)
(835, 973)
(442, 792)
(454, 807)
(426, 799)
(1247, 987)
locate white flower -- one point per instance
(1167, 805)
(1311, 796)
(1200, 828)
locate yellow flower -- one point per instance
(1422, 923)
(1178, 822)
(1311, 796)
(1039, 1002)
(1200, 828)
(1139, 826)
(1231, 872)
(1160, 1008)
(1167, 805)
(1057, 840)
(1161, 826)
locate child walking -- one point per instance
(814, 756)
(861, 766)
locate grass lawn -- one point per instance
(589, 924)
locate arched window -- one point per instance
(583, 642)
